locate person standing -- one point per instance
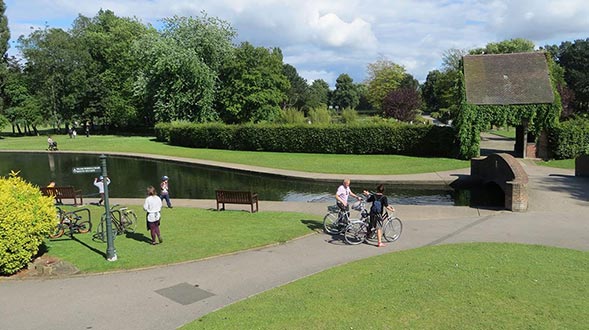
(153, 207)
(342, 194)
(99, 183)
(379, 204)
(165, 191)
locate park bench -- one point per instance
(61, 193)
(236, 197)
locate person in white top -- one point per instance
(99, 183)
(342, 194)
(153, 207)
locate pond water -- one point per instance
(130, 176)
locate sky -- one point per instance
(325, 38)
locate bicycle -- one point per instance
(357, 231)
(336, 220)
(73, 222)
(124, 220)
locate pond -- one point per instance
(130, 176)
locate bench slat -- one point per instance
(65, 192)
(236, 197)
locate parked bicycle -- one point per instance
(356, 232)
(336, 220)
(75, 222)
(123, 219)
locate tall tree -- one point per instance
(112, 66)
(573, 58)
(402, 104)
(345, 94)
(254, 85)
(298, 93)
(384, 76)
(4, 37)
(517, 45)
(318, 94)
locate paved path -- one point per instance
(130, 300)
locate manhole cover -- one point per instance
(184, 293)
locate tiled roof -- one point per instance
(518, 78)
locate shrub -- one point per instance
(349, 116)
(291, 116)
(26, 217)
(320, 115)
(570, 138)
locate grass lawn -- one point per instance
(505, 132)
(462, 286)
(317, 163)
(563, 163)
(188, 234)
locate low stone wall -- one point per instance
(504, 170)
(582, 166)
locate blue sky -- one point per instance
(324, 38)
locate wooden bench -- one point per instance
(61, 193)
(236, 197)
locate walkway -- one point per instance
(162, 298)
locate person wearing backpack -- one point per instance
(379, 203)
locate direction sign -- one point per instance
(90, 169)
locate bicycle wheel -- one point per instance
(355, 232)
(129, 221)
(83, 227)
(58, 231)
(330, 224)
(392, 228)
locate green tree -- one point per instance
(345, 94)
(384, 76)
(573, 57)
(253, 85)
(517, 45)
(180, 75)
(318, 94)
(22, 110)
(4, 37)
(55, 72)
(111, 67)
(298, 93)
(428, 90)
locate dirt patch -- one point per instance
(47, 266)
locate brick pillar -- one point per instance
(516, 197)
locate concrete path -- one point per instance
(152, 298)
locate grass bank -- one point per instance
(464, 286)
(188, 234)
(316, 163)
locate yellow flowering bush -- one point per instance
(26, 217)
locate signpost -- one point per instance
(111, 252)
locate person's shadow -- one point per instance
(138, 237)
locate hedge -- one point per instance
(569, 139)
(382, 138)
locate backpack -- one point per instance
(376, 207)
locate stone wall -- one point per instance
(504, 170)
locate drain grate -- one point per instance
(184, 293)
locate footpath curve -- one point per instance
(153, 298)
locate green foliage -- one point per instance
(349, 116)
(345, 94)
(573, 58)
(320, 115)
(570, 139)
(298, 93)
(254, 85)
(384, 76)
(291, 116)
(517, 45)
(318, 94)
(382, 138)
(26, 217)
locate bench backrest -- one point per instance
(63, 191)
(234, 196)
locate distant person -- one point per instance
(74, 133)
(342, 194)
(87, 129)
(51, 145)
(165, 191)
(99, 183)
(70, 132)
(379, 204)
(153, 207)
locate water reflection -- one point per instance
(130, 176)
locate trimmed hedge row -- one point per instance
(401, 139)
(570, 139)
